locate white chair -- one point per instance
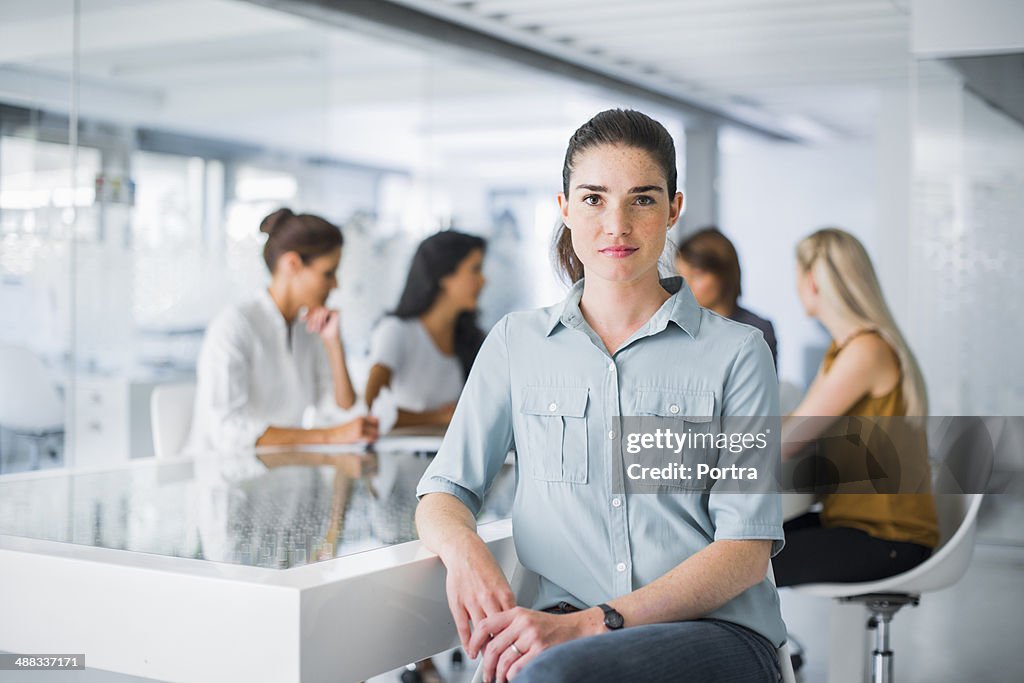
(170, 410)
(524, 584)
(965, 464)
(30, 405)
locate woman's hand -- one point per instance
(324, 321)
(476, 587)
(443, 415)
(361, 429)
(531, 632)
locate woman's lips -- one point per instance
(618, 252)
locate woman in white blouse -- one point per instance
(424, 349)
(267, 362)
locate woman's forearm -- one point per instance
(431, 418)
(380, 377)
(288, 436)
(344, 394)
(699, 585)
(445, 524)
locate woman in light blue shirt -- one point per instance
(656, 586)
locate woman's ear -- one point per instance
(675, 209)
(289, 263)
(563, 205)
(443, 284)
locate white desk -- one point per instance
(142, 608)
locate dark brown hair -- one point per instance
(437, 257)
(709, 250)
(307, 235)
(612, 127)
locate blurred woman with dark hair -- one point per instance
(266, 361)
(708, 262)
(424, 349)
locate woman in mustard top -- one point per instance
(868, 371)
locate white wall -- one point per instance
(772, 194)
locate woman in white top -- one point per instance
(266, 362)
(424, 349)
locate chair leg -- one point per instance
(882, 608)
(881, 657)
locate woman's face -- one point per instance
(313, 282)
(463, 287)
(706, 287)
(618, 212)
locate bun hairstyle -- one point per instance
(612, 127)
(307, 235)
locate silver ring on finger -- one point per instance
(515, 649)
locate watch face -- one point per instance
(613, 619)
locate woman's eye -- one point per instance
(591, 200)
(644, 200)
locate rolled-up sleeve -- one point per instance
(751, 391)
(480, 434)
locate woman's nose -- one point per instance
(616, 222)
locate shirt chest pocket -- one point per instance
(690, 418)
(555, 422)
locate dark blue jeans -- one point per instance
(704, 651)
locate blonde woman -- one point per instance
(867, 371)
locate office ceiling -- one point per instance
(236, 69)
(809, 66)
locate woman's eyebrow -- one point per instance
(633, 190)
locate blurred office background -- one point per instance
(141, 142)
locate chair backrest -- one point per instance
(170, 410)
(962, 454)
(958, 524)
(29, 399)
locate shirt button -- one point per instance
(621, 566)
(611, 367)
(553, 407)
(616, 502)
(673, 409)
(611, 435)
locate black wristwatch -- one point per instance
(613, 621)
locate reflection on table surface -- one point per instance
(275, 509)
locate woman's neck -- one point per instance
(723, 309)
(839, 328)
(439, 321)
(617, 309)
(288, 309)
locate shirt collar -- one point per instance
(270, 309)
(680, 308)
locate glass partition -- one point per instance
(196, 120)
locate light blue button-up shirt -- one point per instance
(545, 384)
